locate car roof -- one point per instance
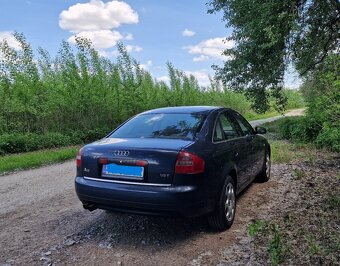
(183, 109)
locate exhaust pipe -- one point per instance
(89, 206)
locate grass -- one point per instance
(28, 160)
(281, 152)
(254, 116)
(272, 233)
(298, 174)
(284, 151)
(308, 230)
(271, 113)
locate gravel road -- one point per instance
(295, 112)
(43, 223)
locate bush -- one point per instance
(329, 137)
(321, 125)
(299, 128)
(306, 129)
(15, 143)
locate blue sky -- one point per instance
(154, 31)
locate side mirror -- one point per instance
(260, 130)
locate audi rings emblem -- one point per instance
(121, 153)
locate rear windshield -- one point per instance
(181, 126)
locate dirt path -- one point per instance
(42, 222)
(295, 112)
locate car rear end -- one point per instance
(159, 176)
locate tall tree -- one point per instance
(271, 35)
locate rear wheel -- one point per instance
(265, 172)
(223, 216)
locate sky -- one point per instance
(154, 32)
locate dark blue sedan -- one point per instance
(187, 161)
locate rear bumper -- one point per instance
(188, 201)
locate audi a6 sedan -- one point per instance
(188, 161)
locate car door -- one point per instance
(250, 143)
(228, 146)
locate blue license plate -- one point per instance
(123, 171)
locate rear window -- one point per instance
(180, 126)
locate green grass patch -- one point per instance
(284, 151)
(27, 160)
(254, 116)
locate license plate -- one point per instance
(123, 171)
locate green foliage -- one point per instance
(329, 137)
(276, 247)
(255, 227)
(79, 96)
(271, 36)
(14, 143)
(295, 99)
(17, 142)
(321, 125)
(275, 242)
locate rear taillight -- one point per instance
(188, 163)
(78, 159)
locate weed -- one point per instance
(255, 227)
(275, 242)
(276, 247)
(333, 202)
(298, 174)
(313, 247)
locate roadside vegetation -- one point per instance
(305, 231)
(79, 96)
(274, 37)
(28, 160)
(321, 124)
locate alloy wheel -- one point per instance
(268, 165)
(230, 202)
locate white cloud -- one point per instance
(133, 48)
(211, 48)
(147, 65)
(202, 76)
(200, 58)
(101, 39)
(8, 36)
(165, 79)
(188, 33)
(97, 15)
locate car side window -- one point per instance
(228, 127)
(244, 125)
(218, 132)
(224, 129)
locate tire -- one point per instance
(223, 216)
(264, 175)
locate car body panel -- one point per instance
(160, 155)
(162, 191)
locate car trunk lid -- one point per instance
(143, 160)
